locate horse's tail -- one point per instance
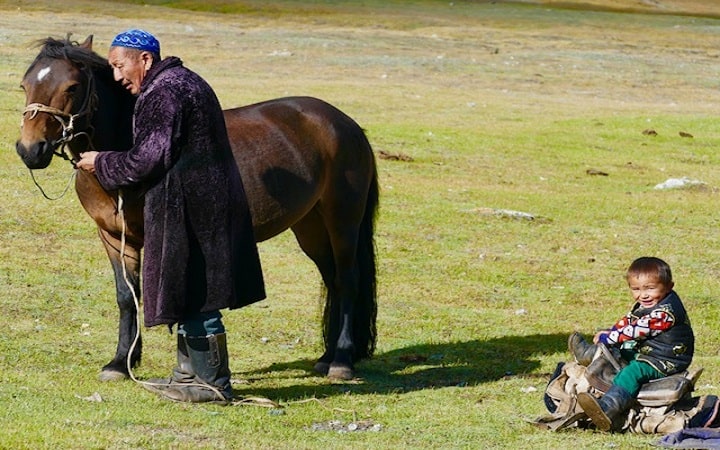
(365, 305)
(365, 317)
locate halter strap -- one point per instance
(35, 108)
(67, 120)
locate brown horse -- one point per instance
(305, 166)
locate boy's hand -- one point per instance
(596, 338)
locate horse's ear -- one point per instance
(88, 43)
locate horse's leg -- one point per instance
(334, 257)
(128, 327)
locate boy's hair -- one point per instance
(649, 265)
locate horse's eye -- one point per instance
(72, 89)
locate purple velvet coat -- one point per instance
(199, 251)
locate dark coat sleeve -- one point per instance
(199, 250)
(157, 129)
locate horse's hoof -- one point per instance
(322, 367)
(337, 372)
(112, 375)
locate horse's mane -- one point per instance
(71, 50)
(117, 102)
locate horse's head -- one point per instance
(58, 96)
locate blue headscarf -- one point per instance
(138, 39)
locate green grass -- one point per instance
(499, 105)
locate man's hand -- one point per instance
(87, 161)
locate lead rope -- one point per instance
(62, 194)
(121, 214)
(257, 401)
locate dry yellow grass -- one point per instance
(708, 8)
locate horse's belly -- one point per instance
(279, 193)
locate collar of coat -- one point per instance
(159, 67)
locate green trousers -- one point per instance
(635, 374)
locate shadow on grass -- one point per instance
(422, 366)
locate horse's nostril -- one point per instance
(35, 156)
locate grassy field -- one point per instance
(488, 106)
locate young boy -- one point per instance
(655, 338)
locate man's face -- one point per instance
(129, 66)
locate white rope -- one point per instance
(121, 214)
(130, 286)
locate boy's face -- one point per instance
(647, 289)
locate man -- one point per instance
(200, 254)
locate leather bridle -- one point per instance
(67, 120)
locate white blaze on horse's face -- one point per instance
(53, 84)
(43, 73)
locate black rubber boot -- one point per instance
(581, 350)
(608, 413)
(202, 374)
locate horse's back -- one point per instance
(291, 152)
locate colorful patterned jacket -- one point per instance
(663, 334)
